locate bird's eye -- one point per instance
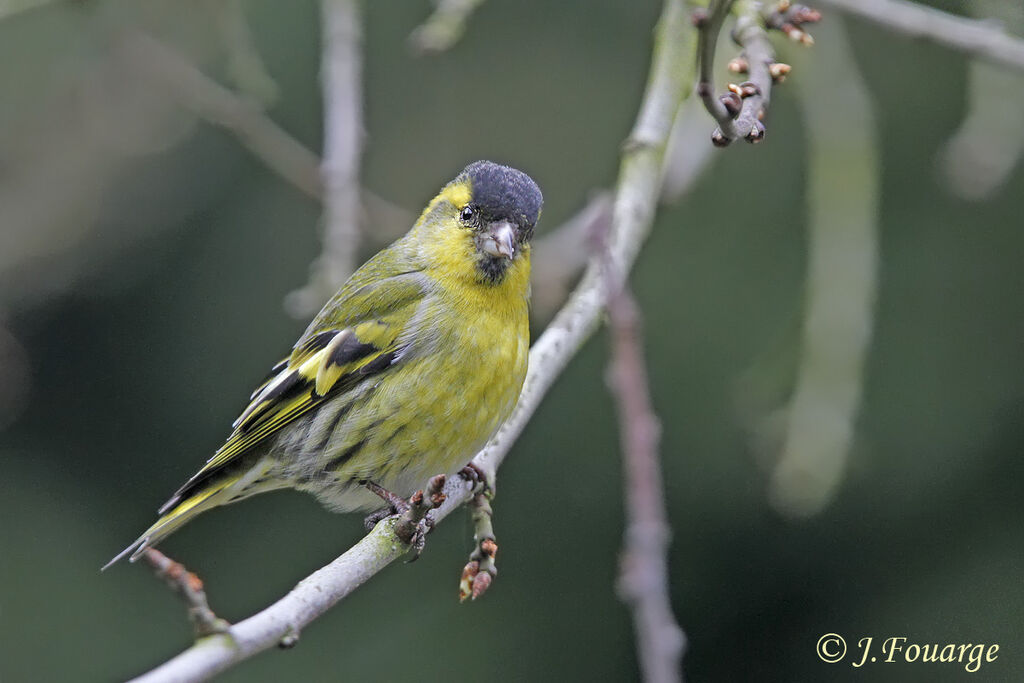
(467, 214)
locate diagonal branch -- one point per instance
(442, 29)
(982, 38)
(223, 107)
(634, 208)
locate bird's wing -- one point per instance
(357, 335)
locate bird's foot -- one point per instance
(475, 474)
(396, 505)
(413, 522)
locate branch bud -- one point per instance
(732, 103)
(756, 133)
(718, 138)
(779, 71)
(481, 583)
(738, 65)
(748, 89)
(469, 572)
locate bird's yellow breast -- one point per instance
(441, 406)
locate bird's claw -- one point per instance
(418, 541)
(476, 475)
(396, 505)
(414, 522)
(376, 516)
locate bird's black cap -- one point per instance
(503, 193)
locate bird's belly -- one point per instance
(423, 418)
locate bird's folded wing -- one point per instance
(361, 336)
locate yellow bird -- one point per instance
(404, 374)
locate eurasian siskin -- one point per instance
(405, 373)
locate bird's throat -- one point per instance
(492, 269)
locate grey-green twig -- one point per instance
(190, 588)
(480, 571)
(741, 110)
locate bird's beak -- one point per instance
(499, 240)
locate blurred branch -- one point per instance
(288, 157)
(221, 106)
(634, 208)
(559, 256)
(842, 196)
(983, 39)
(981, 154)
(341, 79)
(687, 155)
(643, 579)
(244, 118)
(245, 66)
(9, 8)
(443, 28)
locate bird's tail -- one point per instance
(219, 492)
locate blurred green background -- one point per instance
(145, 256)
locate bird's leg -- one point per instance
(396, 505)
(413, 523)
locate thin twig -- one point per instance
(443, 28)
(221, 106)
(341, 79)
(756, 92)
(643, 579)
(709, 25)
(190, 588)
(636, 194)
(982, 38)
(245, 67)
(740, 112)
(480, 571)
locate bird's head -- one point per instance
(486, 217)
